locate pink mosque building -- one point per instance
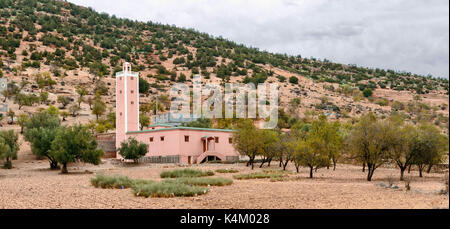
(167, 143)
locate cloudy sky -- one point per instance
(404, 35)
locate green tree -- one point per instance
(81, 91)
(431, 147)
(74, 109)
(269, 139)
(75, 143)
(22, 121)
(99, 108)
(293, 80)
(132, 149)
(9, 147)
(11, 114)
(245, 140)
(40, 131)
(43, 97)
(370, 142)
(64, 100)
(144, 121)
(367, 92)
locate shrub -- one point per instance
(165, 189)
(408, 181)
(260, 175)
(382, 102)
(185, 173)
(104, 181)
(133, 149)
(117, 181)
(227, 171)
(293, 80)
(201, 181)
(367, 92)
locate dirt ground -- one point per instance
(30, 184)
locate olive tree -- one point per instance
(245, 140)
(40, 131)
(73, 144)
(133, 149)
(9, 147)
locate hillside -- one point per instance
(64, 50)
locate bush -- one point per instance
(116, 181)
(201, 181)
(185, 173)
(104, 181)
(261, 175)
(227, 171)
(367, 92)
(133, 149)
(293, 80)
(167, 189)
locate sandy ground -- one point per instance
(30, 184)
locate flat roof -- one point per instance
(180, 128)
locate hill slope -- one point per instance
(56, 47)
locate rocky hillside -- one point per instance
(54, 52)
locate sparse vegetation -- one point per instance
(164, 189)
(227, 171)
(185, 173)
(201, 181)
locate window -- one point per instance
(230, 140)
(216, 139)
(186, 138)
(132, 102)
(151, 139)
(162, 138)
(120, 91)
(132, 91)
(120, 113)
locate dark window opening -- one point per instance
(216, 139)
(162, 139)
(186, 138)
(151, 139)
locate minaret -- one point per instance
(127, 103)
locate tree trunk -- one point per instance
(409, 168)
(64, 169)
(311, 172)
(253, 165)
(420, 170)
(364, 167)
(296, 167)
(53, 165)
(262, 163)
(402, 172)
(270, 160)
(429, 168)
(281, 161)
(334, 165)
(370, 172)
(285, 165)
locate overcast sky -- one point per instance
(404, 35)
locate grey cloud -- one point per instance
(404, 35)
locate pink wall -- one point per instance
(174, 143)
